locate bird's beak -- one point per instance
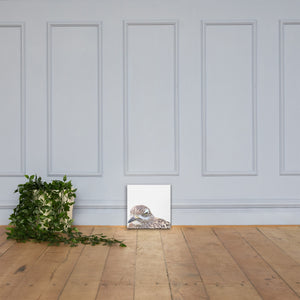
(132, 219)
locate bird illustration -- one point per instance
(141, 217)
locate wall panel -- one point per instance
(12, 103)
(74, 99)
(229, 98)
(290, 93)
(151, 108)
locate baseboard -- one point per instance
(188, 212)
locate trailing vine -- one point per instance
(43, 214)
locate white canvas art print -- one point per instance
(148, 206)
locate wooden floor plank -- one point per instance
(287, 238)
(15, 263)
(148, 292)
(61, 273)
(118, 277)
(40, 275)
(49, 273)
(284, 265)
(151, 278)
(221, 275)
(120, 292)
(2, 230)
(85, 278)
(266, 281)
(175, 247)
(185, 280)
(5, 244)
(285, 233)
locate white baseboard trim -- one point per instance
(188, 212)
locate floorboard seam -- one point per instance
(7, 248)
(105, 263)
(269, 265)
(188, 246)
(136, 241)
(63, 288)
(277, 246)
(228, 251)
(166, 266)
(31, 266)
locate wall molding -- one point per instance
(50, 171)
(128, 172)
(253, 171)
(256, 203)
(282, 119)
(22, 171)
(189, 204)
(188, 212)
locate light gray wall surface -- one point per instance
(202, 95)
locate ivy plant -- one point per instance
(44, 214)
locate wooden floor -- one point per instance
(181, 263)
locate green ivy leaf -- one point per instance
(42, 215)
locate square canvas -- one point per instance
(148, 206)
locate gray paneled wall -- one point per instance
(202, 95)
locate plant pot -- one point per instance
(46, 207)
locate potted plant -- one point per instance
(44, 213)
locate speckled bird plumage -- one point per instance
(141, 217)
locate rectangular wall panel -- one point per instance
(229, 98)
(74, 101)
(12, 100)
(290, 94)
(151, 108)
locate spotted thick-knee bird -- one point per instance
(141, 217)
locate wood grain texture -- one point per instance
(58, 265)
(86, 275)
(184, 277)
(221, 275)
(5, 244)
(113, 292)
(118, 276)
(287, 239)
(266, 281)
(188, 262)
(151, 276)
(16, 263)
(283, 264)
